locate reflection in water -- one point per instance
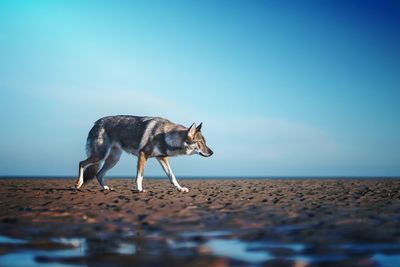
(73, 242)
(75, 251)
(238, 250)
(258, 252)
(371, 247)
(22, 259)
(207, 234)
(265, 246)
(125, 249)
(386, 260)
(25, 256)
(9, 240)
(98, 246)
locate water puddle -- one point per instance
(226, 244)
(257, 253)
(318, 258)
(238, 250)
(73, 242)
(296, 248)
(23, 259)
(9, 240)
(206, 234)
(26, 256)
(372, 247)
(181, 244)
(383, 260)
(125, 249)
(223, 244)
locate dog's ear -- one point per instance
(192, 130)
(198, 128)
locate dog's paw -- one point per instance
(139, 191)
(183, 189)
(107, 188)
(78, 185)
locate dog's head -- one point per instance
(195, 142)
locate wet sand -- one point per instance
(271, 222)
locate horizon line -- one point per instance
(214, 177)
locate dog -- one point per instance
(144, 137)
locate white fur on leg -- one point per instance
(138, 181)
(172, 178)
(79, 182)
(175, 182)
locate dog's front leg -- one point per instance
(167, 168)
(142, 159)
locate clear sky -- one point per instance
(287, 88)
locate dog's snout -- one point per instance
(207, 154)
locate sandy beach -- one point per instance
(230, 222)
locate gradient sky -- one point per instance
(283, 88)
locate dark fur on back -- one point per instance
(132, 134)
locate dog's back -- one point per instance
(125, 131)
(130, 133)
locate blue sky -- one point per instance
(283, 88)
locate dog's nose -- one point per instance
(210, 152)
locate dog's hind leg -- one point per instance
(97, 147)
(167, 168)
(142, 159)
(112, 159)
(82, 165)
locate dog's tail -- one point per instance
(90, 172)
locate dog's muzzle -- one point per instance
(206, 155)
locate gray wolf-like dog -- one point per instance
(144, 137)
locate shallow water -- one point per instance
(235, 249)
(9, 240)
(223, 244)
(386, 260)
(28, 257)
(218, 243)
